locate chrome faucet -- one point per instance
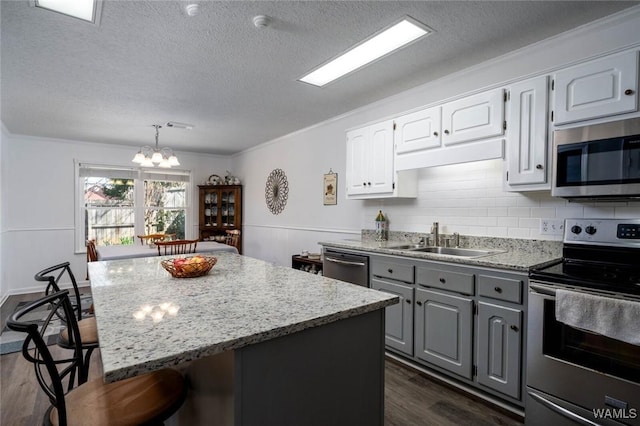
(436, 234)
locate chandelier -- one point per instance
(150, 157)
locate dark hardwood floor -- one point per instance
(411, 397)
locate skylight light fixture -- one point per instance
(87, 10)
(387, 41)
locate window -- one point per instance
(164, 205)
(116, 204)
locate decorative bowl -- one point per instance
(189, 267)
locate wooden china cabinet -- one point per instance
(220, 210)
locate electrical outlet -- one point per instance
(551, 226)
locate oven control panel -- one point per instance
(613, 232)
(629, 231)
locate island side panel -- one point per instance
(328, 375)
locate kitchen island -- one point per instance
(306, 349)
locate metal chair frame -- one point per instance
(49, 276)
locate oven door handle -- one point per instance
(561, 410)
(542, 289)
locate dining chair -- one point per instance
(87, 326)
(232, 238)
(176, 247)
(92, 254)
(154, 238)
(146, 399)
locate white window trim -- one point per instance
(138, 199)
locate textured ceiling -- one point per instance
(147, 62)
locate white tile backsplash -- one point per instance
(469, 199)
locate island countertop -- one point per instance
(242, 301)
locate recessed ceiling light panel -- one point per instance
(87, 10)
(375, 47)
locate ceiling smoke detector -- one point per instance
(261, 21)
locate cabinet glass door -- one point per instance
(211, 208)
(228, 207)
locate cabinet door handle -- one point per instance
(364, 183)
(408, 301)
(498, 289)
(539, 166)
(442, 280)
(514, 327)
(435, 133)
(446, 132)
(419, 303)
(369, 183)
(629, 92)
(390, 271)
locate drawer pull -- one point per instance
(442, 280)
(498, 289)
(390, 271)
(514, 327)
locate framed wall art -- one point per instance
(330, 188)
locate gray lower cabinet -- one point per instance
(398, 317)
(444, 331)
(499, 354)
(469, 322)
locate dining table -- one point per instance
(131, 251)
(260, 344)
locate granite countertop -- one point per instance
(514, 254)
(242, 301)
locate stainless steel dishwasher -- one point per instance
(348, 267)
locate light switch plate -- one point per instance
(551, 226)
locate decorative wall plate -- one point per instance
(276, 191)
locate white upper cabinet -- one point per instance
(357, 166)
(460, 131)
(370, 168)
(599, 88)
(527, 147)
(418, 130)
(479, 116)
(380, 154)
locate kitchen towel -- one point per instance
(610, 317)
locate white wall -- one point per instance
(4, 285)
(463, 198)
(38, 202)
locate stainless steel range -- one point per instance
(583, 358)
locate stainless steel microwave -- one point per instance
(601, 161)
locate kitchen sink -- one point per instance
(407, 247)
(449, 251)
(454, 251)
